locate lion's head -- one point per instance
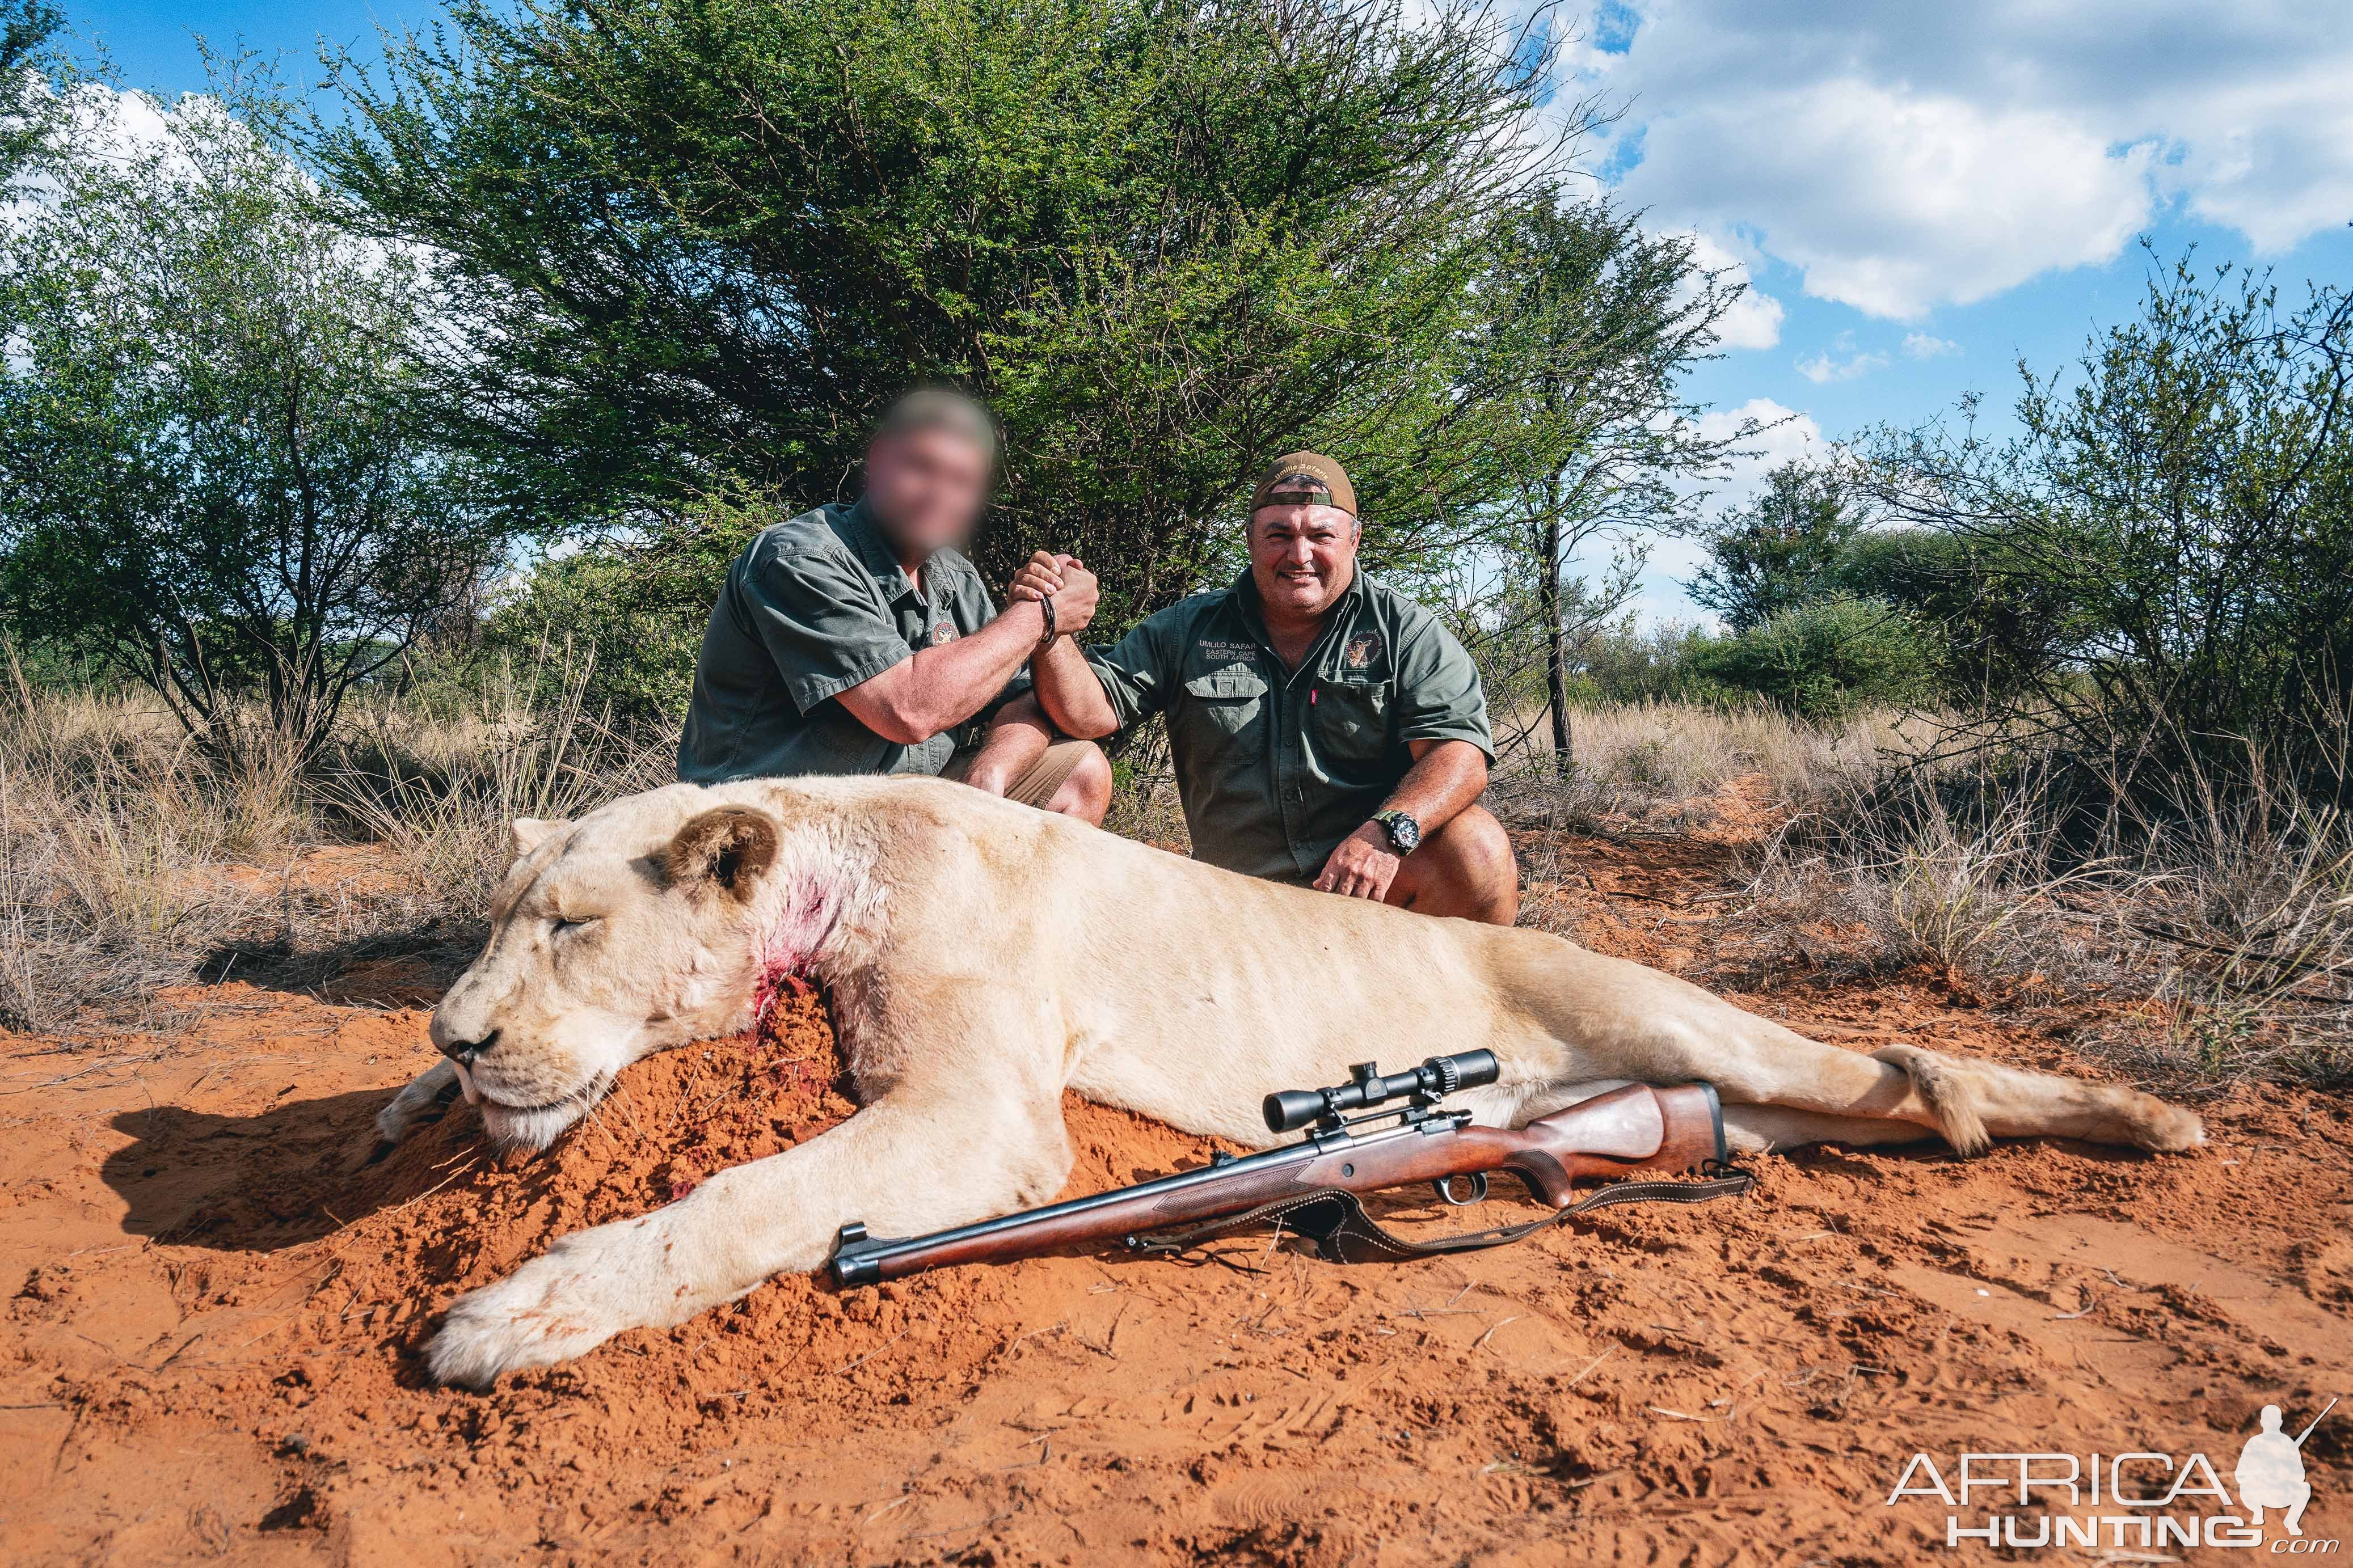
(646, 924)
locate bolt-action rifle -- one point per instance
(1311, 1187)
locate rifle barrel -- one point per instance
(1226, 1186)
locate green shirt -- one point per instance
(1276, 766)
(813, 606)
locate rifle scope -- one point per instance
(1436, 1078)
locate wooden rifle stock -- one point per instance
(1636, 1128)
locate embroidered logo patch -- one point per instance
(944, 634)
(1363, 648)
(1219, 649)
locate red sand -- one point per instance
(211, 1353)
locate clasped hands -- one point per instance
(1066, 581)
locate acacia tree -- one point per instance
(1783, 548)
(1595, 325)
(705, 243)
(213, 475)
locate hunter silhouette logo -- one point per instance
(2270, 1470)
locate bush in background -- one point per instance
(1824, 659)
(2177, 510)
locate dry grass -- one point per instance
(110, 824)
(131, 861)
(1655, 766)
(435, 785)
(2215, 926)
(1143, 804)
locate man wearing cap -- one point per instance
(858, 639)
(1325, 730)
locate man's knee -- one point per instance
(1489, 869)
(1086, 793)
(1467, 869)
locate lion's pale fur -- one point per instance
(981, 956)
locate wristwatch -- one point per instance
(1405, 833)
(1047, 605)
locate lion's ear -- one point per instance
(530, 832)
(728, 845)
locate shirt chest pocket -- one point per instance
(1351, 730)
(1227, 704)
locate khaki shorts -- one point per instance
(1044, 778)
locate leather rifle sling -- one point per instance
(1335, 1221)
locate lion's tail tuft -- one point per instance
(1944, 1084)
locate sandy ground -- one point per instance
(211, 1348)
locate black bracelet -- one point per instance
(1047, 605)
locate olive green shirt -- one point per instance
(813, 606)
(1276, 766)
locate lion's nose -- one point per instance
(465, 1053)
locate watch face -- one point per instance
(1405, 833)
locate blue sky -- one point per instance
(1917, 194)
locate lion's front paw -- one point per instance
(587, 1288)
(420, 1103)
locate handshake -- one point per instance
(1062, 579)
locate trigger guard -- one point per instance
(1444, 1187)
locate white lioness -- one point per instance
(981, 957)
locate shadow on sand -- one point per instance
(250, 1183)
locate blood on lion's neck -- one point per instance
(818, 897)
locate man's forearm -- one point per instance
(960, 679)
(1443, 783)
(1070, 692)
(941, 688)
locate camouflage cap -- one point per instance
(1307, 478)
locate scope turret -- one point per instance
(1435, 1079)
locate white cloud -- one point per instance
(1928, 345)
(1819, 367)
(1787, 436)
(1902, 155)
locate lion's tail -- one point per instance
(1943, 1085)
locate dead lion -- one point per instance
(981, 956)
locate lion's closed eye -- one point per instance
(564, 925)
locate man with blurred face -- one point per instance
(858, 639)
(1324, 729)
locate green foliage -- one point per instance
(212, 474)
(1782, 549)
(1822, 659)
(1990, 623)
(2179, 516)
(1631, 663)
(1596, 325)
(26, 28)
(706, 242)
(1806, 539)
(634, 609)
